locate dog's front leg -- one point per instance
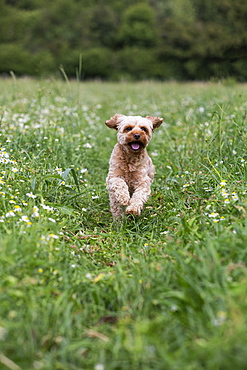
(139, 198)
(118, 189)
(119, 196)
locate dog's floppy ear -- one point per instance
(114, 121)
(156, 121)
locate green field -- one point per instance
(166, 290)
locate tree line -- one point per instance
(114, 39)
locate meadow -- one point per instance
(164, 290)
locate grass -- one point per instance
(165, 290)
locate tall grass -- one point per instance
(165, 290)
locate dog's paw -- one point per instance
(123, 199)
(133, 210)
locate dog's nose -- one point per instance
(137, 136)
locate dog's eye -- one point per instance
(128, 128)
(144, 129)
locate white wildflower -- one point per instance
(213, 214)
(35, 212)
(99, 367)
(201, 109)
(53, 236)
(52, 219)
(87, 145)
(31, 195)
(10, 214)
(47, 208)
(59, 170)
(24, 218)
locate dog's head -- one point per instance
(134, 132)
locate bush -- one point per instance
(15, 58)
(22, 62)
(96, 62)
(43, 63)
(138, 27)
(204, 69)
(137, 63)
(240, 68)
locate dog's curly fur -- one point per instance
(131, 169)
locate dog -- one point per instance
(131, 170)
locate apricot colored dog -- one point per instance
(131, 169)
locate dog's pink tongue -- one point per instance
(135, 146)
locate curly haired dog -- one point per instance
(131, 169)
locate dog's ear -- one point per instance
(114, 121)
(156, 121)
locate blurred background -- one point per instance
(130, 40)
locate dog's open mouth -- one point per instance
(135, 146)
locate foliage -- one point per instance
(138, 27)
(165, 290)
(138, 63)
(15, 58)
(187, 39)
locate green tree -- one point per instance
(138, 27)
(104, 25)
(189, 39)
